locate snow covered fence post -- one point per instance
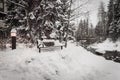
(13, 37)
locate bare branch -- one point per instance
(80, 5)
(16, 3)
(79, 15)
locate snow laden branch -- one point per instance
(16, 3)
(35, 19)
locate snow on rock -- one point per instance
(71, 63)
(107, 45)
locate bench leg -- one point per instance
(39, 50)
(61, 47)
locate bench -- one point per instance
(48, 44)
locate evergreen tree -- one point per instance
(101, 27)
(37, 17)
(114, 27)
(91, 31)
(82, 31)
(78, 34)
(110, 13)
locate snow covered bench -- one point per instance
(49, 43)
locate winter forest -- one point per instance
(59, 39)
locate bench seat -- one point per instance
(56, 43)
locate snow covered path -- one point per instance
(72, 63)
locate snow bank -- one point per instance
(106, 45)
(72, 63)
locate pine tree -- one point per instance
(101, 28)
(37, 17)
(82, 31)
(114, 27)
(110, 13)
(91, 31)
(78, 34)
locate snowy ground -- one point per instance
(72, 63)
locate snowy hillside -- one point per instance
(72, 63)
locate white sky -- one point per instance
(91, 6)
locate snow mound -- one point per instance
(107, 45)
(71, 63)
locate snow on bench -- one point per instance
(46, 43)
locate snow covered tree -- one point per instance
(110, 13)
(78, 33)
(114, 24)
(20, 16)
(37, 17)
(101, 28)
(91, 31)
(82, 31)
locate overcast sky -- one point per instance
(91, 6)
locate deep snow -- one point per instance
(71, 63)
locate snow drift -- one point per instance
(107, 45)
(71, 63)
